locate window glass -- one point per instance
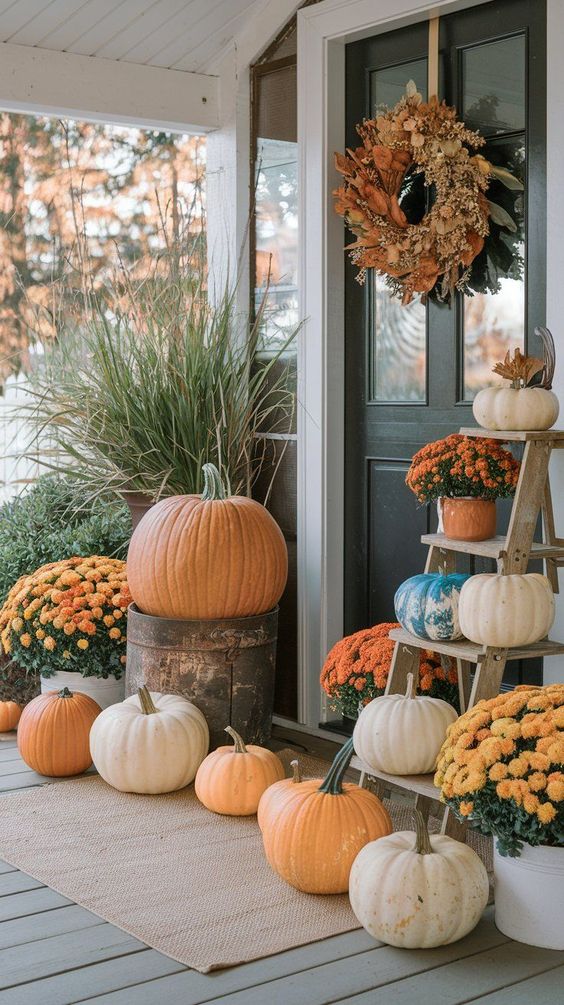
(493, 84)
(277, 238)
(398, 347)
(399, 351)
(388, 84)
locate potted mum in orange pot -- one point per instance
(465, 475)
(67, 622)
(357, 667)
(500, 768)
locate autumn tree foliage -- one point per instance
(69, 186)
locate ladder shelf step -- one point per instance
(555, 436)
(493, 547)
(421, 784)
(471, 651)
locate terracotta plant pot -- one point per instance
(468, 519)
(139, 504)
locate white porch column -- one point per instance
(228, 181)
(554, 666)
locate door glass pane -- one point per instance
(398, 346)
(388, 84)
(494, 86)
(399, 356)
(494, 101)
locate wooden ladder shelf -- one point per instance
(512, 554)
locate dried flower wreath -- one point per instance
(415, 197)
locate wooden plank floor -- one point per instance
(53, 952)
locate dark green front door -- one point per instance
(411, 372)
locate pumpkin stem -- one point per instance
(213, 485)
(422, 840)
(411, 689)
(240, 747)
(147, 704)
(333, 782)
(65, 693)
(295, 766)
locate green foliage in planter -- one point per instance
(52, 521)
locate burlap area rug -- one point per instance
(191, 884)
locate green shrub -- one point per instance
(53, 521)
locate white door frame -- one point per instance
(323, 31)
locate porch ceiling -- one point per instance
(173, 34)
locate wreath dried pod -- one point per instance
(414, 195)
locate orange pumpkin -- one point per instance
(54, 730)
(231, 780)
(312, 831)
(10, 713)
(208, 556)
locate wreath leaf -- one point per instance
(507, 179)
(500, 216)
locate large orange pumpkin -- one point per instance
(10, 713)
(208, 556)
(54, 730)
(312, 831)
(231, 780)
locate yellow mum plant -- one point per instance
(69, 615)
(502, 767)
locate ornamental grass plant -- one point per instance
(69, 616)
(501, 767)
(160, 377)
(461, 466)
(357, 667)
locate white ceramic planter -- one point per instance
(105, 692)
(529, 896)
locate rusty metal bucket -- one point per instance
(225, 667)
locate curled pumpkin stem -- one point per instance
(213, 485)
(333, 783)
(240, 747)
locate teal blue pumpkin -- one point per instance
(427, 605)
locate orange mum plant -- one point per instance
(501, 766)
(463, 466)
(356, 670)
(69, 615)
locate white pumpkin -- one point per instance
(402, 734)
(506, 611)
(418, 891)
(516, 408)
(149, 743)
